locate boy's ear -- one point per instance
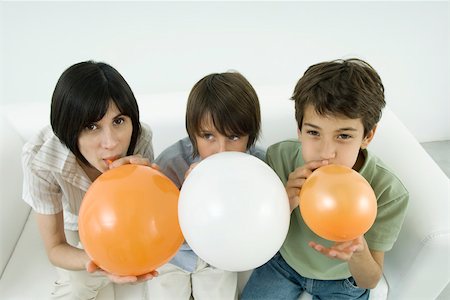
(366, 141)
(299, 134)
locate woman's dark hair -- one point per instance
(83, 95)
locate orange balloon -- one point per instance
(337, 203)
(128, 220)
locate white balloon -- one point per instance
(234, 211)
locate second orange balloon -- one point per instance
(337, 203)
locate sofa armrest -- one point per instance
(418, 265)
(14, 212)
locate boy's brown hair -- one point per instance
(231, 103)
(350, 88)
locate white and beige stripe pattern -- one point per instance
(53, 179)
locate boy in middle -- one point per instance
(222, 114)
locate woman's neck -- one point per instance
(90, 171)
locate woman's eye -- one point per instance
(119, 121)
(91, 127)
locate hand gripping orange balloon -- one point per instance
(337, 203)
(128, 220)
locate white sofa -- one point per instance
(416, 268)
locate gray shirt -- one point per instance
(174, 162)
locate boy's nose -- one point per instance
(327, 151)
(223, 145)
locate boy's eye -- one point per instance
(313, 132)
(344, 136)
(207, 136)
(234, 137)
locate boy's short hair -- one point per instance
(350, 88)
(231, 102)
(83, 95)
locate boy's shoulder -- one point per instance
(258, 152)
(290, 145)
(287, 149)
(175, 160)
(285, 156)
(381, 177)
(392, 202)
(180, 149)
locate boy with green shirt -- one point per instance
(337, 107)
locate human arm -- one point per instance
(65, 256)
(365, 265)
(91, 267)
(59, 252)
(297, 178)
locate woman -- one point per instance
(94, 127)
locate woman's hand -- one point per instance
(91, 267)
(297, 178)
(341, 250)
(136, 159)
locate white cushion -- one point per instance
(14, 211)
(418, 266)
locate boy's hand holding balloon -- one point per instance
(297, 179)
(341, 250)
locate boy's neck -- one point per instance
(359, 161)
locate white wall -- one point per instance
(168, 46)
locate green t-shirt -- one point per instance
(392, 201)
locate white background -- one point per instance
(167, 46)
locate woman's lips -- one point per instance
(109, 160)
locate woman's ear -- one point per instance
(366, 141)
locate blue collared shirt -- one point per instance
(174, 162)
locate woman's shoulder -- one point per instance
(146, 131)
(44, 140)
(44, 150)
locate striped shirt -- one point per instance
(54, 181)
